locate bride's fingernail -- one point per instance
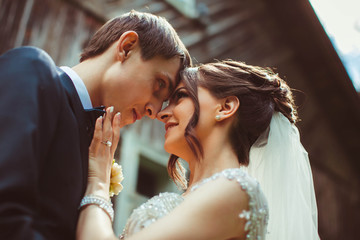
(111, 109)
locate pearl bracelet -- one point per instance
(102, 203)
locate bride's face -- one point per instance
(177, 115)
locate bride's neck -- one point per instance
(217, 157)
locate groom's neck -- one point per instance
(91, 72)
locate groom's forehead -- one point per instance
(172, 75)
(173, 82)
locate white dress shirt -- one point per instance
(79, 86)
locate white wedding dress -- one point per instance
(162, 204)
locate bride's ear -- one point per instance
(228, 108)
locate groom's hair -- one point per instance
(156, 37)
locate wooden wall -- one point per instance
(60, 28)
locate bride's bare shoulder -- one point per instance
(221, 191)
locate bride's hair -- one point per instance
(260, 92)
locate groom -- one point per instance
(47, 117)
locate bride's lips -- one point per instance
(170, 125)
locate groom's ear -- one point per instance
(127, 42)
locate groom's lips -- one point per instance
(136, 116)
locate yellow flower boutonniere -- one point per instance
(116, 179)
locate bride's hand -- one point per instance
(101, 152)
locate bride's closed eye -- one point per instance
(179, 94)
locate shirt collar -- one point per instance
(79, 86)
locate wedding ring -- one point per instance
(107, 143)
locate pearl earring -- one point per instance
(217, 117)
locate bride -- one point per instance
(231, 122)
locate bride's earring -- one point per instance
(217, 117)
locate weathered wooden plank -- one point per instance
(55, 26)
(10, 15)
(227, 24)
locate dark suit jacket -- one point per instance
(43, 148)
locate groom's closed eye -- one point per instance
(164, 88)
(159, 88)
(170, 86)
(161, 83)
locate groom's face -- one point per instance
(138, 88)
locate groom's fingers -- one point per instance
(116, 131)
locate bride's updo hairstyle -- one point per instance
(260, 92)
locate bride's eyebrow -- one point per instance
(175, 92)
(179, 89)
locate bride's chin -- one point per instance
(167, 148)
(175, 147)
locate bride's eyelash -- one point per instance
(180, 93)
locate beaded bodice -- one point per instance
(162, 204)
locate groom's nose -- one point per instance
(151, 110)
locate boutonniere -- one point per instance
(115, 179)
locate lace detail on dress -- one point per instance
(162, 204)
(150, 211)
(258, 214)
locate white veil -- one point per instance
(281, 165)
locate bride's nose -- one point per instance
(164, 114)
